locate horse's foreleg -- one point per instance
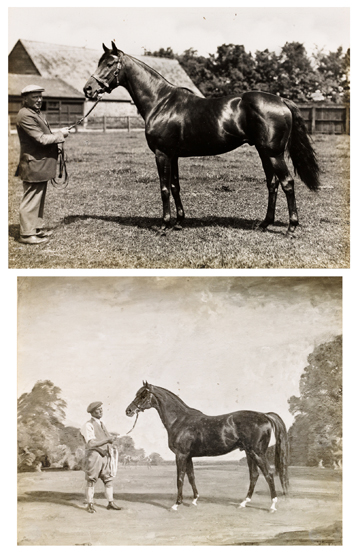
(191, 477)
(281, 170)
(272, 190)
(164, 171)
(181, 461)
(254, 474)
(175, 188)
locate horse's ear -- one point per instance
(114, 49)
(105, 48)
(145, 383)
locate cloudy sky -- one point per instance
(221, 344)
(202, 28)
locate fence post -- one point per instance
(313, 120)
(347, 118)
(104, 124)
(128, 124)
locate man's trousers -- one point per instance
(32, 207)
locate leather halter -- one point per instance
(139, 409)
(106, 83)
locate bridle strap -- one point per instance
(107, 84)
(139, 409)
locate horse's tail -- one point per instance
(300, 149)
(281, 449)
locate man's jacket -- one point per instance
(38, 154)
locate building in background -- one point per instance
(63, 72)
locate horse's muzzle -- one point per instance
(131, 411)
(92, 89)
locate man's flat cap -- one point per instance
(31, 88)
(93, 406)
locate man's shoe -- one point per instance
(90, 508)
(113, 507)
(32, 239)
(44, 232)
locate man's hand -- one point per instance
(65, 131)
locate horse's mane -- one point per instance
(172, 395)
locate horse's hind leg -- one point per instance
(164, 171)
(254, 474)
(281, 170)
(190, 473)
(175, 188)
(265, 469)
(272, 190)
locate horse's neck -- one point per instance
(170, 408)
(144, 85)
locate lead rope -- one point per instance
(61, 180)
(136, 418)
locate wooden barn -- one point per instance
(63, 72)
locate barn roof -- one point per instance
(54, 88)
(75, 65)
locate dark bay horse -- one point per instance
(179, 123)
(194, 434)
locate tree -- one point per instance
(161, 53)
(234, 69)
(199, 70)
(332, 73)
(296, 78)
(267, 71)
(155, 459)
(40, 418)
(316, 433)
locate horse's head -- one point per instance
(107, 75)
(143, 400)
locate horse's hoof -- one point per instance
(262, 226)
(174, 508)
(273, 510)
(178, 227)
(291, 232)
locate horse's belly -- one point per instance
(207, 146)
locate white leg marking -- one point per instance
(175, 507)
(243, 504)
(273, 506)
(195, 501)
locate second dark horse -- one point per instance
(179, 123)
(194, 434)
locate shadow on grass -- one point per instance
(77, 500)
(161, 500)
(150, 223)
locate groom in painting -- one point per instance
(101, 457)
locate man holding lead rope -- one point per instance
(38, 164)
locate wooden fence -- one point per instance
(329, 119)
(326, 119)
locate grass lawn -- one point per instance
(108, 215)
(51, 509)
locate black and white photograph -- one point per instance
(165, 138)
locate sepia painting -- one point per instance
(171, 411)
